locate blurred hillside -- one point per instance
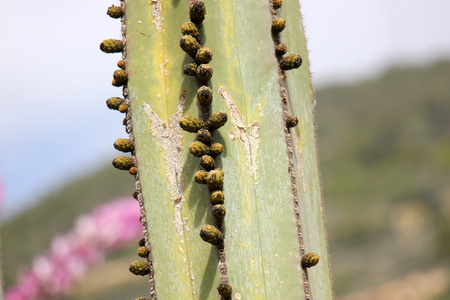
(385, 162)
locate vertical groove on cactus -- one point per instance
(129, 130)
(278, 25)
(193, 46)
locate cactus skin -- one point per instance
(258, 186)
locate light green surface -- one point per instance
(261, 238)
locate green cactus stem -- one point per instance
(274, 213)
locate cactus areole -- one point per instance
(228, 185)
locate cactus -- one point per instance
(258, 205)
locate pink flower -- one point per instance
(108, 228)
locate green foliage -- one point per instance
(385, 161)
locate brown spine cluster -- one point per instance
(205, 148)
(128, 163)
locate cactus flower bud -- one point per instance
(121, 64)
(207, 162)
(189, 28)
(111, 46)
(280, 49)
(123, 108)
(216, 149)
(217, 120)
(200, 176)
(191, 124)
(120, 77)
(114, 103)
(292, 61)
(133, 171)
(277, 3)
(123, 163)
(190, 69)
(189, 45)
(141, 268)
(225, 290)
(204, 136)
(143, 251)
(218, 211)
(204, 95)
(204, 72)
(214, 179)
(217, 197)
(291, 121)
(115, 12)
(211, 234)
(310, 260)
(204, 55)
(198, 149)
(197, 11)
(124, 145)
(278, 25)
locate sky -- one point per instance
(54, 123)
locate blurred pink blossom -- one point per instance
(108, 228)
